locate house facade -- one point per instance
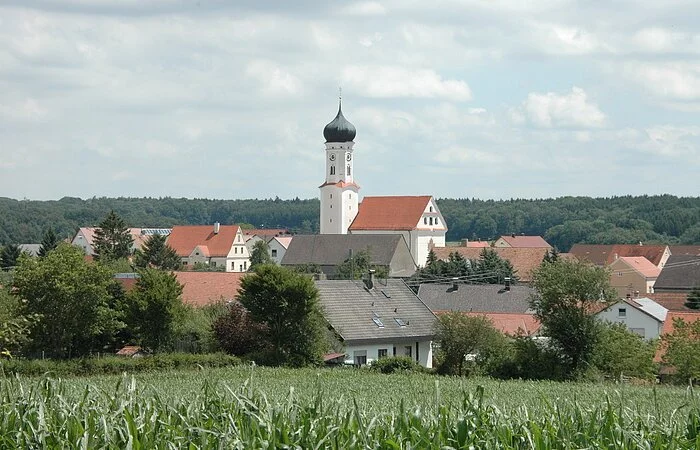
(278, 247)
(216, 246)
(374, 319)
(642, 316)
(85, 238)
(633, 275)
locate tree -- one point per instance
(492, 268)
(15, 324)
(551, 256)
(9, 256)
(157, 254)
(113, 239)
(155, 305)
(357, 266)
(237, 333)
(683, 349)
(71, 297)
(287, 304)
(693, 300)
(48, 242)
(260, 255)
(566, 293)
(620, 351)
(432, 259)
(459, 335)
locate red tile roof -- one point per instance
(476, 244)
(668, 328)
(340, 184)
(524, 260)
(269, 232)
(673, 301)
(525, 241)
(642, 265)
(205, 288)
(183, 239)
(512, 324)
(604, 255)
(693, 250)
(390, 213)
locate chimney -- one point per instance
(370, 279)
(217, 226)
(628, 296)
(512, 235)
(636, 294)
(455, 286)
(615, 256)
(465, 242)
(507, 283)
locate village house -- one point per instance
(417, 218)
(604, 255)
(521, 241)
(85, 238)
(374, 319)
(330, 250)
(633, 275)
(681, 274)
(216, 246)
(278, 246)
(642, 316)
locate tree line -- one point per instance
(562, 221)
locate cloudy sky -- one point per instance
(471, 98)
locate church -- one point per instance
(417, 218)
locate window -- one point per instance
(240, 268)
(360, 357)
(332, 170)
(408, 351)
(233, 267)
(436, 221)
(431, 221)
(350, 196)
(378, 322)
(274, 253)
(213, 263)
(235, 249)
(245, 265)
(331, 195)
(639, 331)
(425, 220)
(622, 312)
(348, 170)
(619, 274)
(382, 353)
(431, 209)
(400, 322)
(184, 263)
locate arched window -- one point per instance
(431, 209)
(431, 221)
(436, 221)
(425, 220)
(348, 169)
(332, 170)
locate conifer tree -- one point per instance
(112, 239)
(48, 242)
(9, 256)
(158, 254)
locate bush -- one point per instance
(531, 360)
(110, 365)
(393, 364)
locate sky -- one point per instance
(489, 99)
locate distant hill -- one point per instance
(562, 221)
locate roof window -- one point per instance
(378, 322)
(400, 322)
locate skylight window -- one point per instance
(386, 294)
(400, 321)
(378, 322)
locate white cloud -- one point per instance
(394, 82)
(675, 141)
(671, 80)
(466, 156)
(273, 79)
(364, 9)
(560, 110)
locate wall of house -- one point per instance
(402, 263)
(626, 280)
(277, 251)
(371, 352)
(634, 319)
(80, 241)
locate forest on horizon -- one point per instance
(562, 221)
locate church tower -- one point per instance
(339, 199)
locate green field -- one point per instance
(246, 407)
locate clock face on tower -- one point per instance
(349, 157)
(332, 157)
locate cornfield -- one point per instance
(247, 407)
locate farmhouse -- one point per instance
(375, 319)
(216, 246)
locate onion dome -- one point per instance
(339, 130)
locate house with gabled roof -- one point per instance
(476, 298)
(278, 246)
(328, 251)
(633, 275)
(416, 218)
(374, 319)
(604, 255)
(681, 274)
(85, 237)
(640, 315)
(521, 241)
(217, 246)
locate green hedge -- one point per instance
(115, 364)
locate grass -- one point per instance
(245, 407)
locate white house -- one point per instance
(377, 319)
(640, 315)
(85, 237)
(278, 246)
(217, 246)
(417, 218)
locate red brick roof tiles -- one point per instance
(183, 239)
(526, 241)
(205, 288)
(390, 213)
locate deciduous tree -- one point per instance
(566, 293)
(622, 352)
(260, 255)
(287, 304)
(683, 349)
(357, 266)
(237, 333)
(458, 336)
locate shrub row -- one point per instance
(115, 365)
